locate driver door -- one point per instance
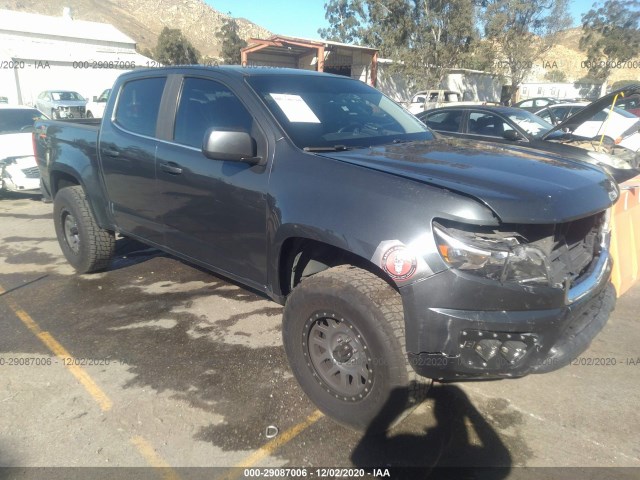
(214, 210)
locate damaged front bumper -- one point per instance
(535, 329)
(19, 174)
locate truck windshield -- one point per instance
(322, 111)
(68, 96)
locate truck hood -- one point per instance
(577, 119)
(519, 186)
(15, 145)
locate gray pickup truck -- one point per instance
(400, 256)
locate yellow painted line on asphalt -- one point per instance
(145, 449)
(67, 359)
(153, 458)
(273, 445)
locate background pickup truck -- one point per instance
(429, 99)
(400, 256)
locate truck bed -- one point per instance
(73, 139)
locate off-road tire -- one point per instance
(95, 246)
(363, 304)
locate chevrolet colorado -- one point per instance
(399, 256)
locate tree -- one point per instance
(610, 36)
(232, 42)
(348, 20)
(147, 53)
(555, 76)
(521, 31)
(174, 49)
(425, 38)
(622, 83)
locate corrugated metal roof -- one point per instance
(312, 42)
(42, 50)
(36, 24)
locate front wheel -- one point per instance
(89, 114)
(55, 115)
(86, 246)
(343, 331)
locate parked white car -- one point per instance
(95, 108)
(597, 121)
(18, 169)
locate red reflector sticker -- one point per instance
(399, 263)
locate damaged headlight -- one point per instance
(500, 258)
(610, 160)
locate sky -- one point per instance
(302, 18)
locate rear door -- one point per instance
(128, 152)
(214, 210)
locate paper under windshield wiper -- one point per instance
(334, 148)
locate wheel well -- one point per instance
(302, 257)
(61, 180)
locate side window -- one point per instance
(546, 115)
(527, 104)
(562, 113)
(487, 124)
(445, 121)
(574, 110)
(206, 104)
(600, 116)
(542, 103)
(138, 105)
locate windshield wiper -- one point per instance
(335, 148)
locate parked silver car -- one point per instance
(61, 104)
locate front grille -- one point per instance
(32, 172)
(570, 248)
(576, 244)
(73, 109)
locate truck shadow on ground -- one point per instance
(462, 444)
(130, 252)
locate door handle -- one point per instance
(110, 153)
(171, 168)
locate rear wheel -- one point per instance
(86, 246)
(343, 331)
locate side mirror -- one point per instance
(95, 99)
(230, 145)
(512, 135)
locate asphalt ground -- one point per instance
(157, 366)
